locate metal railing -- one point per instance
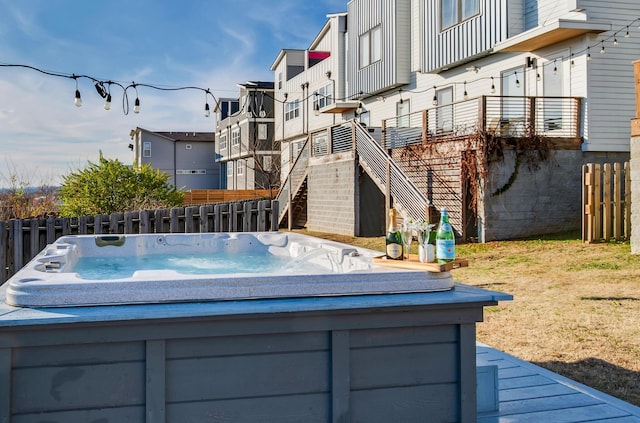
(410, 201)
(555, 117)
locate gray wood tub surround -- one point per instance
(365, 358)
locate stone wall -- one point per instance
(538, 201)
(635, 195)
(331, 201)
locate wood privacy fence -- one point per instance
(22, 239)
(606, 201)
(211, 196)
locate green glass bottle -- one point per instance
(394, 238)
(445, 240)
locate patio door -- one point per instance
(553, 89)
(513, 102)
(444, 112)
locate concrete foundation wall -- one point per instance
(635, 195)
(331, 201)
(543, 201)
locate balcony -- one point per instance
(557, 118)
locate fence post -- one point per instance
(4, 252)
(618, 207)
(16, 234)
(606, 202)
(275, 212)
(204, 219)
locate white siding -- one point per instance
(611, 90)
(394, 69)
(468, 39)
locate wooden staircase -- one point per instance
(298, 206)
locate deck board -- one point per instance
(529, 393)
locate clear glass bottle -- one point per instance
(445, 240)
(394, 249)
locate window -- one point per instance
(262, 131)
(146, 149)
(455, 11)
(235, 138)
(223, 142)
(191, 171)
(240, 167)
(323, 97)
(371, 46)
(267, 163)
(319, 144)
(292, 110)
(279, 80)
(229, 169)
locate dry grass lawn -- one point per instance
(576, 306)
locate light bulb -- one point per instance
(207, 111)
(263, 112)
(316, 110)
(107, 103)
(78, 99)
(493, 86)
(359, 109)
(401, 104)
(136, 106)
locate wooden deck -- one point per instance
(528, 393)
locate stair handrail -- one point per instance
(408, 198)
(284, 186)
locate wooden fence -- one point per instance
(211, 196)
(22, 239)
(606, 201)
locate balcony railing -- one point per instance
(553, 117)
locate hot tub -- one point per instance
(89, 270)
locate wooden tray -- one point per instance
(414, 264)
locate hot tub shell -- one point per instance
(339, 269)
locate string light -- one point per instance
(435, 96)
(136, 104)
(555, 67)
(108, 97)
(465, 95)
(78, 100)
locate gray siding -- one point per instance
(395, 67)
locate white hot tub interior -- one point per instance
(88, 270)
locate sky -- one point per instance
(202, 43)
